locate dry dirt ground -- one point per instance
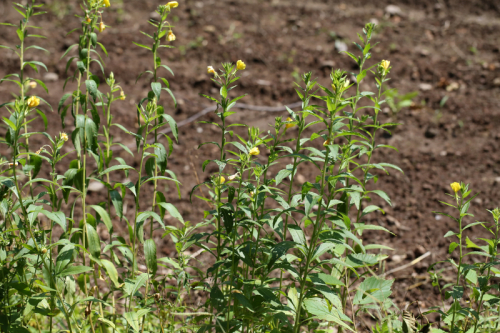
(446, 50)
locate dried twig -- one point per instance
(422, 257)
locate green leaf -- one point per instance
(74, 270)
(94, 245)
(172, 211)
(217, 298)
(373, 290)
(150, 254)
(223, 91)
(133, 320)
(173, 126)
(64, 257)
(117, 201)
(319, 308)
(114, 168)
(383, 195)
(243, 301)
(282, 175)
(156, 87)
(278, 251)
(57, 217)
(228, 218)
(104, 216)
(111, 271)
(92, 88)
(452, 247)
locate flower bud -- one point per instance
(106, 3)
(32, 84)
(102, 27)
(346, 83)
(44, 250)
(157, 297)
(222, 180)
(326, 143)
(385, 64)
(254, 151)
(455, 187)
(122, 95)
(289, 125)
(240, 65)
(64, 137)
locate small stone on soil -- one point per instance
(425, 86)
(95, 186)
(50, 77)
(393, 10)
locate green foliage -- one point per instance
(285, 256)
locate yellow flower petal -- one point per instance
(455, 187)
(173, 4)
(254, 151)
(240, 65)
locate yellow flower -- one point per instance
(101, 27)
(455, 187)
(385, 64)
(170, 36)
(254, 151)
(106, 3)
(240, 65)
(64, 137)
(32, 84)
(326, 143)
(122, 95)
(222, 180)
(289, 125)
(172, 4)
(210, 70)
(33, 101)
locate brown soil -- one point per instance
(445, 43)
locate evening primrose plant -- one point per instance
(280, 253)
(290, 258)
(473, 293)
(69, 280)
